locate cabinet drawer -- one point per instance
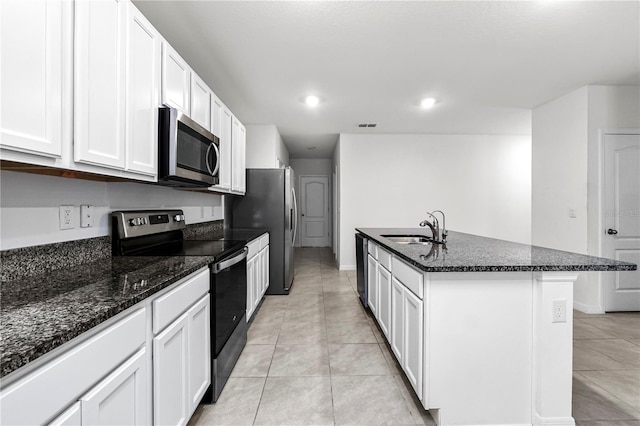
(384, 258)
(253, 248)
(171, 305)
(373, 249)
(264, 241)
(409, 277)
(39, 396)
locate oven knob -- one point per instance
(136, 221)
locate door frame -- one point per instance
(602, 207)
(329, 202)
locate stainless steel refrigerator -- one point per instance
(270, 202)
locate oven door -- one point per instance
(229, 285)
(188, 153)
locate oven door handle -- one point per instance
(217, 267)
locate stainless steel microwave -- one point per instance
(188, 154)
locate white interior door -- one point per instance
(622, 220)
(314, 211)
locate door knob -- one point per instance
(612, 231)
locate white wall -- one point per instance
(29, 206)
(481, 182)
(567, 164)
(265, 147)
(310, 167)
(559, 173)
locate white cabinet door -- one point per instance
(251, 285)
(176, 80)
(199, 351)
(372, 284)
(142, 101)
(33, 62)
(257, 296)
(170, 374)
(384, 300)
(99, 110)
(71, 417)
(265, 269)
(397, 319)
(239, 140)
(121, 398)
(200, 102)
(412, 340)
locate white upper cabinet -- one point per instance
(176, 80)
(200, 102)
(221, 119)
(100, 36)
(143, 93)
(34, 62)
(238, 156)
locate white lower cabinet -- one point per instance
(199, 350)
(170, 375)
(407, 332)
(181, 349)
(71, 417)
(397, 318)
(251, 285)
(412, 326)
(257, 273)
(117, 374)
(121, 398)
(372, 284)
(398, 310)
(384, 300)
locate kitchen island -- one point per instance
(481, 327)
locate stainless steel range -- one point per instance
(159, 233)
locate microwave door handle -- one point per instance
(207, 159)
(215, 148)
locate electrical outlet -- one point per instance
(560, 310)
(66, 217)
(86, 216)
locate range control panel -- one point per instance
(137, 223)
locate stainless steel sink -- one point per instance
(409, 239)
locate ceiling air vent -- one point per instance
(367, 124)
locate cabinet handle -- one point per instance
(611, 231)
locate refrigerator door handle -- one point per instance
(295, 215)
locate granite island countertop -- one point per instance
(38, 313)
(472, 253)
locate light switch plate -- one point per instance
(86, 216)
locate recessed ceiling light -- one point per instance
(428, 102)
(312, 100)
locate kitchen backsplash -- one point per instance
(35, 260)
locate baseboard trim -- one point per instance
(552, 421)
(587, 309)
(347, 267)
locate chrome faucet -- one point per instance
(438, 235)
(443, 234)
(433, 225)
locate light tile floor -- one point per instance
(316, 358)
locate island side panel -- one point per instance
(478, 359)
(552, 349)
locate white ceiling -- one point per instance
(488, 63)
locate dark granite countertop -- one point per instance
(247, 234)
(41, 312)
(472, 253)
